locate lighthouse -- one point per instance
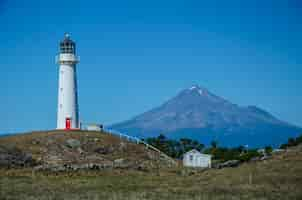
(68, 110)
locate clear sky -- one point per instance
(137, 54)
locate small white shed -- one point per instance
(194, 158)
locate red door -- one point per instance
(68, 122)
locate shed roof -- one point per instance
(194, 151)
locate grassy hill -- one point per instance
(277, 178)
(59, 150)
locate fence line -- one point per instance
(138, 141)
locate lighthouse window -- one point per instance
(60, 105)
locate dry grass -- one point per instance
(41, 145)
(277, 178)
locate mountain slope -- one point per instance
(197, 113)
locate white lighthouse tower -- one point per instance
(68, 113)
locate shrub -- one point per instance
(268, 150)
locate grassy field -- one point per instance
(277, 178)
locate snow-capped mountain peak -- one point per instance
(198, 113)
(198, 89)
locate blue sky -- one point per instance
(137, 54)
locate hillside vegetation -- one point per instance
(73, 150)
(277, 178)
(176, 148)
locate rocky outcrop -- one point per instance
(73, 143)
(11, 157)
(229, 163)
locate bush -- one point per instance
(249, 155)
(268, 150)
(292, 142)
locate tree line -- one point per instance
(292, 142)
(176, 148)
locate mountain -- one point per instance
(199, 114)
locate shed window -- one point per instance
(191, 157)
